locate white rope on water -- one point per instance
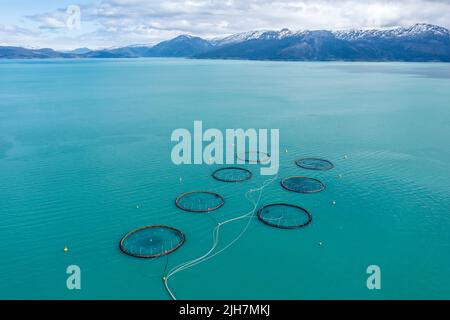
(215, 239)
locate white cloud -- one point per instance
(52, 20)
(121, 22)
(15, 36)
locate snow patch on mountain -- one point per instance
(253, 35)
(420, 29)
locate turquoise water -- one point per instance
(85, 158)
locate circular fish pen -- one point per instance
(199, 201)
(254, 157)
(284, 216)
(302, 184)
(152, 241)
(314, 164)
(232, 174)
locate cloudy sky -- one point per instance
(106, 23)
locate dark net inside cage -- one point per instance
(232, 174)
(302, 184)
(314, 164)
(199, 201)
(284, 216)
(254, 157)
(152, 241)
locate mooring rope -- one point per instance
(215, 237)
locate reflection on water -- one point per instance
(431, 70)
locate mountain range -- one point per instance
(420, 42)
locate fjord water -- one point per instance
(85, 158)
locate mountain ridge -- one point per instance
(420, 42)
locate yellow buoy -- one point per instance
(66, 249)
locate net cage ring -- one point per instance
(221, 201)
(317, 164)
(247, 174)
(261, 157)
(306, 188)
(266, 221)
(177, 233)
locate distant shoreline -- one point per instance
(220, 59)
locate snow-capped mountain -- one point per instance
(420, 42)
